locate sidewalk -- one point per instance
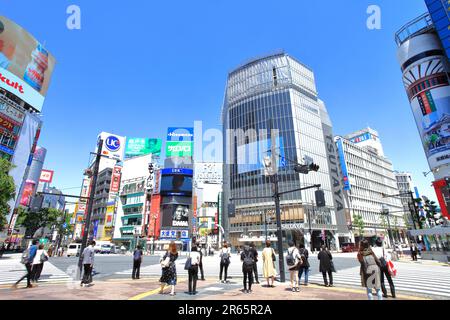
(147, 289)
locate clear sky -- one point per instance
(138, 67)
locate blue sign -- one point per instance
(361, 138)
(344, 170)
(112, 143)
(180, 134)
(6, 150)
(440, 14)
(169, 171)
(172, 234)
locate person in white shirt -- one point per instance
(293, 269)
(38, 263)
(193, 271)
(225, 255)
(383, 256)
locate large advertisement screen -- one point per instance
(142, 146)
(179, 149)
(176, 182)
(26, 66)
(175, 215)
(180, 134)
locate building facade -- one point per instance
(268, 100)
(405, 184)
(367, 177)
(440, 14)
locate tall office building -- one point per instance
(440, 14)
(426, 68)
(367, 177)
(405, 184)
(273, 99)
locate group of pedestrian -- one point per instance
(33, 258)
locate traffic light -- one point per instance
(231, 210)
(320, 198)
(313, 167)
(301, 169)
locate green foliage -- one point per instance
(44, 218)
(7, 190)
(358, 222)
(432, 216)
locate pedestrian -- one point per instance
(50, 251)
(304, 265)
(293, 260)
(269, 271)
(200, 265)
(27, 259)
(384, 271)
(255, 265)
(2, 249)
(370, 269)
(88, 264)
(137, 260)
(60, 252)
(193, 270)
(248, 261)
(225, 255)
(169, 270)
(325, 266)
(38, 263)
(414, 250)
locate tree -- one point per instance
(358, 222)
(7, 191)
(33, 221)
(432, 216)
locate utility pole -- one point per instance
(87, 223)
(279, 231)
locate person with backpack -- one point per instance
(88, 264)
(304, 265)
(27, 259)
(370, 269)
(248, 260)
(255, 265)
(193, 270)
(326, 265)
(269, 257)
(293, 260)
(169, 270)
(384, 271)
(38, 263)
(137, 260)
(225, 255)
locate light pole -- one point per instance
(385, 211)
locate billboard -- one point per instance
(113, 145)
(39, 154)
(26, 66)
(12, 112)
(142, 146)
(180, 134)
(344, 170)
(176, 182)
(175, 215)
(115, 180)
(27, 193)
(46, 176)
(179, 148)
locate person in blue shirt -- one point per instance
(31, 254)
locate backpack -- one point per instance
(248, 261)
(137, 255)
(304, 259)
(25, 256)
(225, 258)
(290, 260)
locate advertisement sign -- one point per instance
(27, 193)
(155, 215)
(364, 137)
(179, 149)
(113, 145)
(115, 180)
(142, 146)
(95, 230)
(180, 134)
(175, 215)
(11, 112)
(176, 182)
(26, 66)
(39, 154)
(9, 124)
(46, 176)
(340, 147)
(172, 234)
(157, 185)
(209, 172)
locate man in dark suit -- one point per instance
(255, 265)
(200, 265)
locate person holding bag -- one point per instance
(382, 256)
(248, 261)
(269, 271)
(38, 263)
(293, 261)
(370, 269)
(225, 255)
(326, 266)
(192, 265)
(169, 271)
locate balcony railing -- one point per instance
(413, 28)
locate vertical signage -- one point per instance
(115, 180)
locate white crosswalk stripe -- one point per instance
(422, 279)
(12, 270)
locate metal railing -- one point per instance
(413, 28)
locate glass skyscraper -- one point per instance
(275, 92)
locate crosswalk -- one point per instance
(12, 270)
(412, 278)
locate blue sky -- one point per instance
(135, 69)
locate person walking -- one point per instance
(325, 265)
(255, 265)
(169, 270)
(293, 260)
(137, 260)
(370, 269)
(27, 260)
(248, 261)
(269, 271)
(38, 263)
(225, 255)
(200, 265)
(384, 271)
(88, 264)
(304, 265)
(193, 271)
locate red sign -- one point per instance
(155, 216)
(46, 176)
(7, 123)
(115, 180)
(443, 193)
(27, 193)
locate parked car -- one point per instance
(348, 247)
(106, 248)
(74, 249)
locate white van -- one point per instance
(73, 249)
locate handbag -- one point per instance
(165, 261)
(188, 263)
(391, 268)
(333, 269)
(43, 257)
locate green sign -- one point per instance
(142, 146)
(179, 148)
(43, 241)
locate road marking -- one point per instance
(150, 293)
